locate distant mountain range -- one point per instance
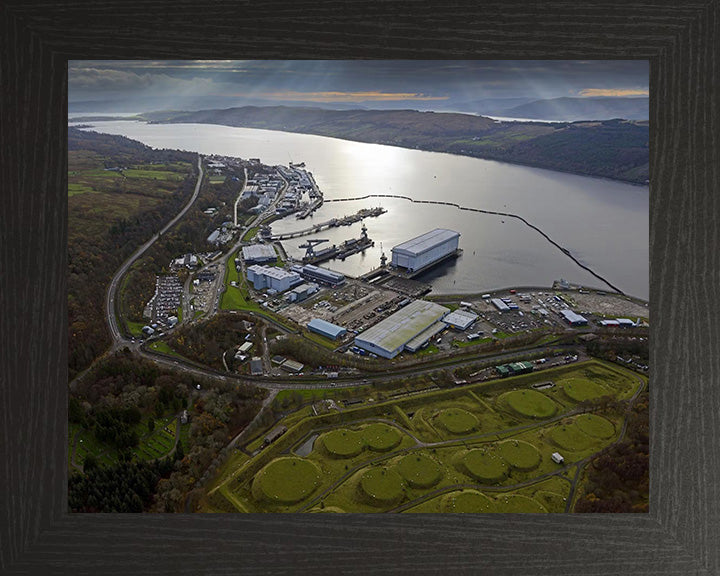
(612, 148)
(574, 109)
(557, 109)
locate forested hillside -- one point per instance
(120, 192)
(613, 148)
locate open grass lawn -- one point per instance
(250, 234)
(571, 437)
(579, 389)
(135, 328)
(595, 426)
(325, 342)
(234, 298)
(367, 464)
(160, 346)
(74, 189)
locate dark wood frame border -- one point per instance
(681, 41)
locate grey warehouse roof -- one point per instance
(399, 328)
(426, 241)
(571, 316)
(259, 252)
(460, 318)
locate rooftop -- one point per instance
(259, 252)
(272, 271)
(326, 327)
(460, 318)
(571, 316)
(426, 241)
(399, 328)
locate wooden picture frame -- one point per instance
(681, 532)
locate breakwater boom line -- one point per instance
(482, 211)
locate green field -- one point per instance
(419, 470)
(596, 426)
(458, 421)
(580, 389)
(382, 485)
(286, 480)
(485, 466)
(408, 454)
(530, 403)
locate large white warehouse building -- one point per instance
(389, 337)
(272, 277)
(425, 250)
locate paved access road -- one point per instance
(111, 298)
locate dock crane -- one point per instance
(310, 246)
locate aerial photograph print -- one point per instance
(360, 286)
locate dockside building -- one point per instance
(272, 277)
(425, 250)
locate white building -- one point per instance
(259, 253)
(390, 336)
(424, 250)
(271, 277)
(460, 319)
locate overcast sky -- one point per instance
(172, 84)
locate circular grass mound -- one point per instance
(530, 403)
(381, 437)
(286, 480)
(570, 437)
(484, 466)
(467, 501)
(420, 471)
(458, 421)
(518, 503)
(595, 426)
(343, 443)
(382, 485)
(519, 454)
(580, 389)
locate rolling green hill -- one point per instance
(615, 149)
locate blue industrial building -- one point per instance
(326, 329)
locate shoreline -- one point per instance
(140, 118)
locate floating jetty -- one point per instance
(341, 251)
(332, 223)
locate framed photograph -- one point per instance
(309, 343)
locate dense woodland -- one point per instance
(612, 148)
(112, 399)
(205, 342)
(618, 478)
(188, 236)
(104, 227)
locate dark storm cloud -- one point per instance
(357, 80)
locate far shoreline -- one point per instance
(141, 118)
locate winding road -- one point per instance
(111, 297)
